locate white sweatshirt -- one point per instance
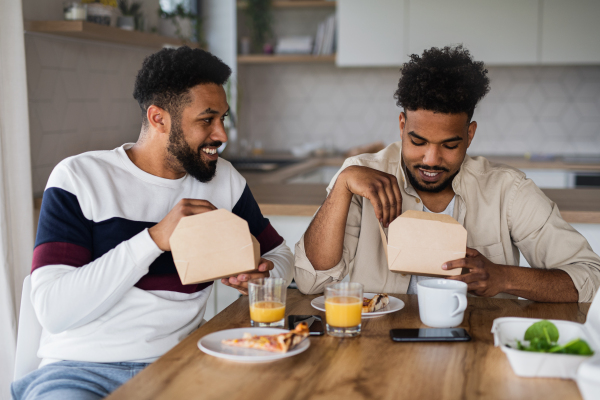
(101, 288)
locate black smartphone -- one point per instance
(315, 323)
(430, 335)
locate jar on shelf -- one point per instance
(99, 13)
(74, 11)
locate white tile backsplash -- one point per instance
(80, 99)
(529, 109)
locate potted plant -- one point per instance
(182, 24)
(261, 24)
(131, 16)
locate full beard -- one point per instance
(431, 188)
(191, 161)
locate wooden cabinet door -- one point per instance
(370, 33)
(498, 32)
(570, 31)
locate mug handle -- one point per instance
(462, 304)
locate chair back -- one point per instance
(29, 334)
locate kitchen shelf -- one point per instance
(295, 4)
(292, 58)
(91, 31)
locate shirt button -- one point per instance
(418, 200)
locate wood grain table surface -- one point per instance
(368, 367)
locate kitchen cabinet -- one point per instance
(499, 32)
(371, 33)
(570, 32)
(509, 32)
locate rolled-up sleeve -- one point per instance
(310, 280)
(547, 241)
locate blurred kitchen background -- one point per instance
(314, 80)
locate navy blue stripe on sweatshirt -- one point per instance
(247, 208)
(66, 237)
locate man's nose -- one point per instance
(432, 156)
(219, 134)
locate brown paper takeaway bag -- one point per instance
(418, 243)
(213, 245)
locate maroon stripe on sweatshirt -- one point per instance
(268, 239)
(169, 282)
(53, 253)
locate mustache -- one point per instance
(431, 168)
(213, 144)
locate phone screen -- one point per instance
(430, 335)
(315, 324)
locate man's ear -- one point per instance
(158, 119)
(471, 132)
(402, 123)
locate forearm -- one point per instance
(324, 238)
(66, 297)
(540, 284)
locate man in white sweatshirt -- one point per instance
(104, 285)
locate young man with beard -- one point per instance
(429, 170)
(104, 285)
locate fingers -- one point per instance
(265, 265)
(461, 263)
(198, 202)
(397, 196)
(386, 198)
(195, 206)
(385, 205)
(466, 278)
(471, 252)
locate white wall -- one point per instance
(529, 109)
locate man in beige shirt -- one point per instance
(429, 170)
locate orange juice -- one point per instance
(267, 311)
(343, 311)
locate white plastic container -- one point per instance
(528, 364)
(588, 378)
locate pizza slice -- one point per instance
(280, 343)
(376, 303)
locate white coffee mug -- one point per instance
(442, 302)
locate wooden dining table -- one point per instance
(370, 366)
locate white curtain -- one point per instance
(16, 198)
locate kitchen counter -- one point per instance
(575, 205)
(275, 197)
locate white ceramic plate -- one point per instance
(211, 344)
(394, 305)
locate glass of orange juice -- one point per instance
(267, 302)
(343, 309)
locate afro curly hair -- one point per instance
(167, 76)
(443, 80)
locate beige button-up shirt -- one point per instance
(502, 211)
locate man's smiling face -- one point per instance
(434, 146)
(199, 131)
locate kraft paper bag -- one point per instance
(418, 243)
(213, 245)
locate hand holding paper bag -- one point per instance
(419, 243)
(213, 245)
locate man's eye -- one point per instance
(451, 147)
(207, 120)
(417, 144)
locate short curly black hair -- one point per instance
(443, 80)
(167, 76)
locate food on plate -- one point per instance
(280, 343)
(543, 337)
(376, 303)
